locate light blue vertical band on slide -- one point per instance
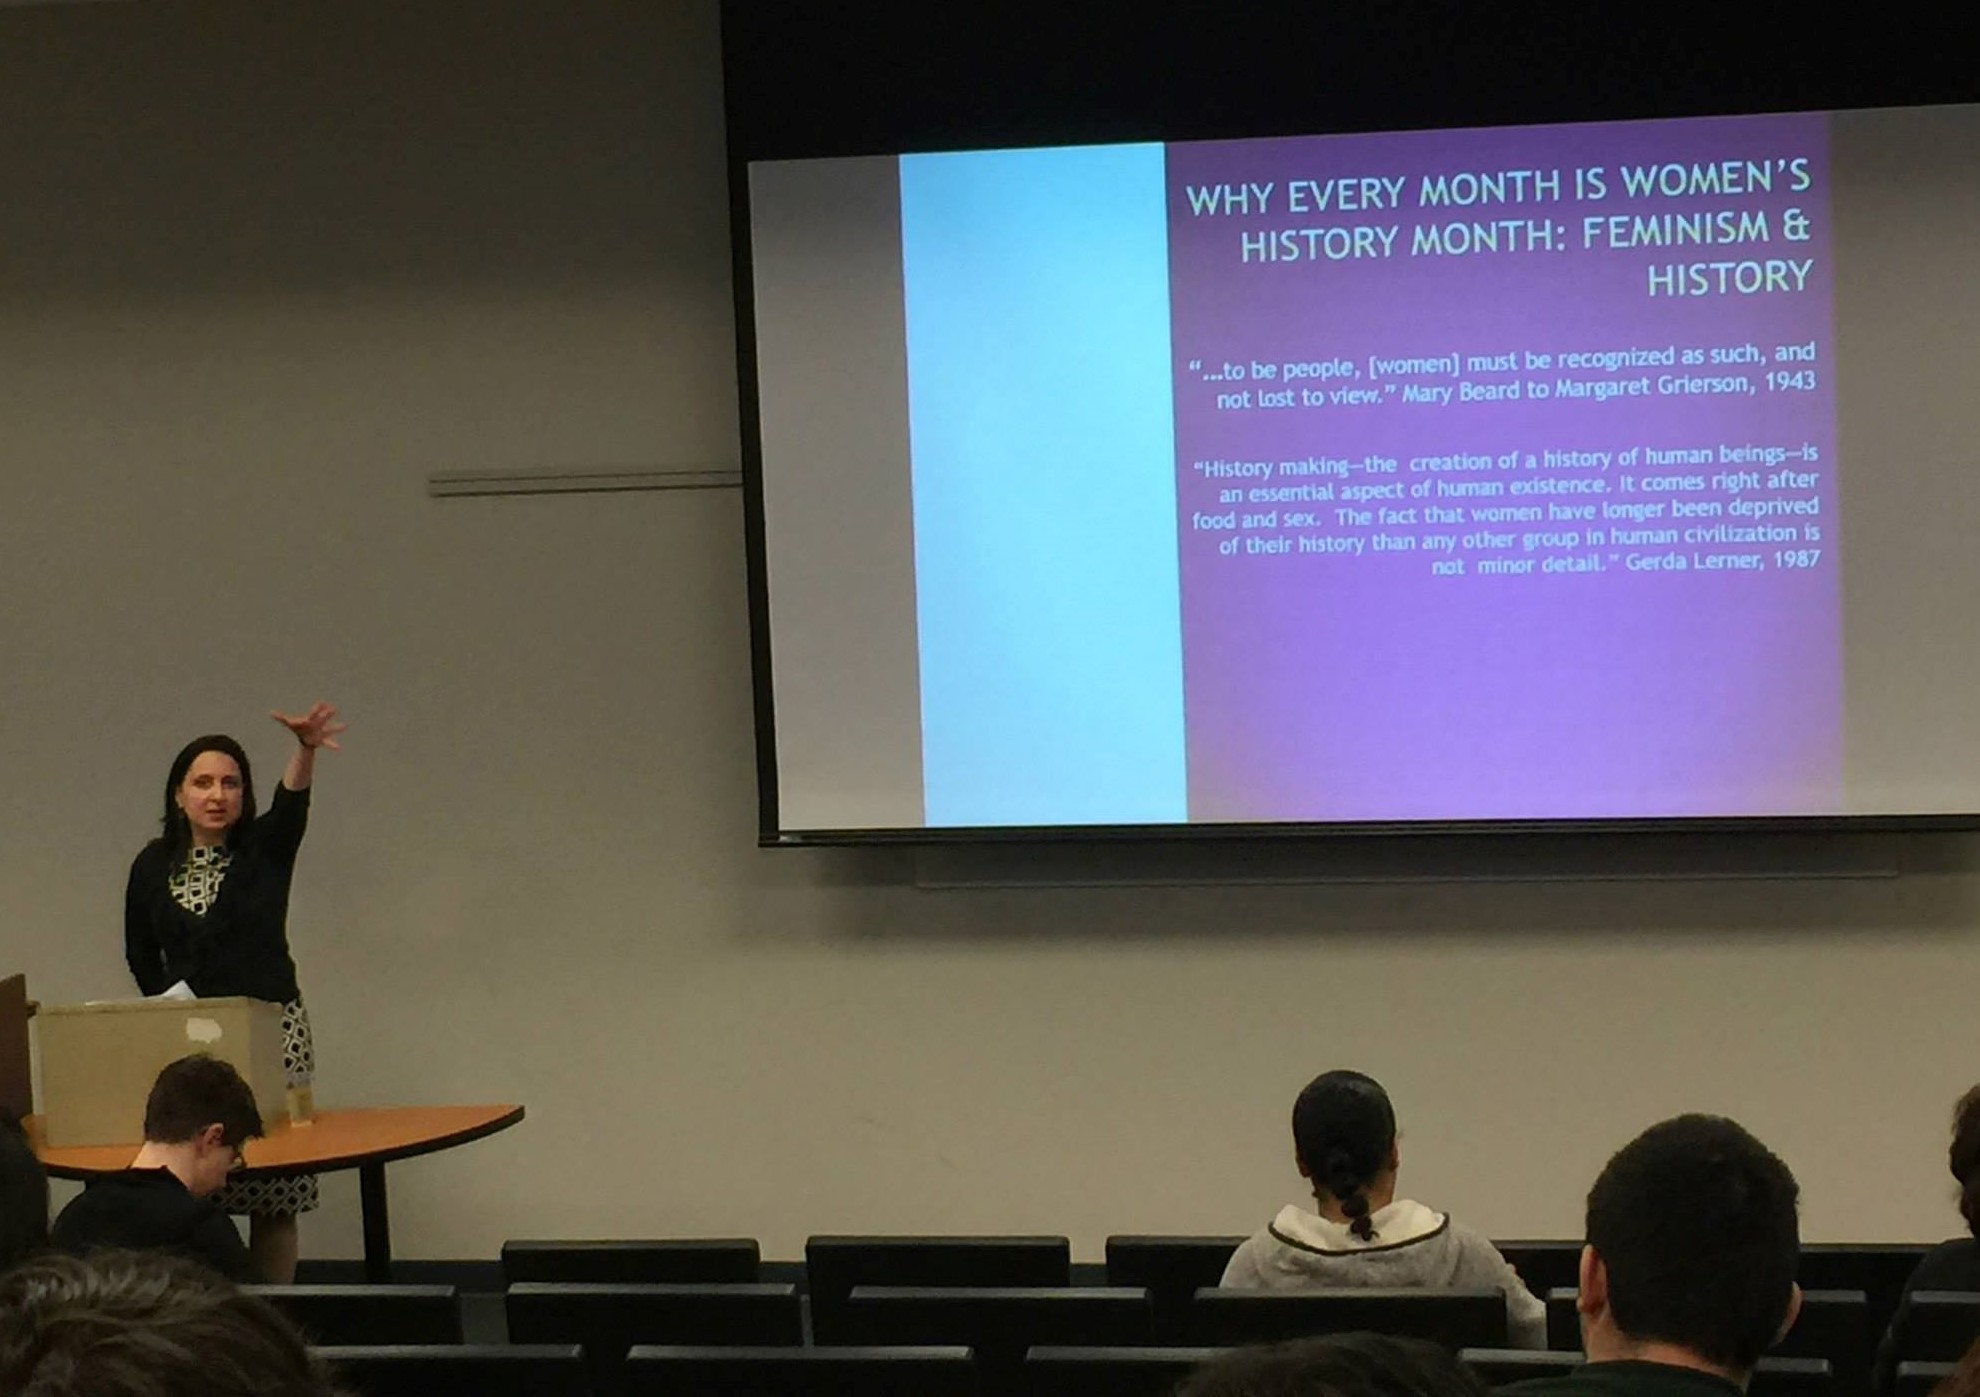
(1042, 431)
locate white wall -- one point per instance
(264, 268)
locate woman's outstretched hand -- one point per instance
(317, 728)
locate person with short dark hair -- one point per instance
(1953, 1265)
(130, 1324)
(23, 1195)
(1361, 1234)
(1687, 1277)
(196, 1119)
(1339, 1365)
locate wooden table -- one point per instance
(364, 1138)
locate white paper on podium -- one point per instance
(181, 990)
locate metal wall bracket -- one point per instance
(581, 481)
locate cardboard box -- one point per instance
(98, 1061)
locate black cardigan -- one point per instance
(241, 945)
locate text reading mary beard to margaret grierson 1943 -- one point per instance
(1555, 508)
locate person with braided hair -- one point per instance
(1360, 1233)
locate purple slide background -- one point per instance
(1364, 688)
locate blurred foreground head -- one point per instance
(1340, 1365)
(144, 1324)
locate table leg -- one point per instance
(377, 1224)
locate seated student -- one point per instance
(1344, 1142)
(196, 1119)
(23, 1195)
(143, 1324)
(1340, 1365)
(1688, 1272)
(1953, 1265)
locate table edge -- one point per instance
(411, 1150)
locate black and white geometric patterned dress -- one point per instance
(194, 887)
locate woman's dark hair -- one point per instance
(23, 1196)
(178, 829)
(1340, 1365)
(1964, 1157)
(1345, 1131)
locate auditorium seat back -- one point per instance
(1919, 1379)
(1498, 1366)
(703, 1371)
(1171, 1269)
(683, 1261)
(1563, 1320)
(1059, 1371)
(999, 1323)
(1454, 1318)
(1879, 1270)
(609, 1319)
(835, 1264)
(458, 1370)
(1775, 1376)
(1833, 1325)
(369, 1314)
(1544, 1265)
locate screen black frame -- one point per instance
(883, 77)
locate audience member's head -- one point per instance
(1692, 1248)
(1964, 1157)
(143, 1324)
(196, 1119)
(1345, 1132)
(1341, 1365)
(23, 1195)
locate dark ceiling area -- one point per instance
(808, 78)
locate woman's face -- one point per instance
(210, 795)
